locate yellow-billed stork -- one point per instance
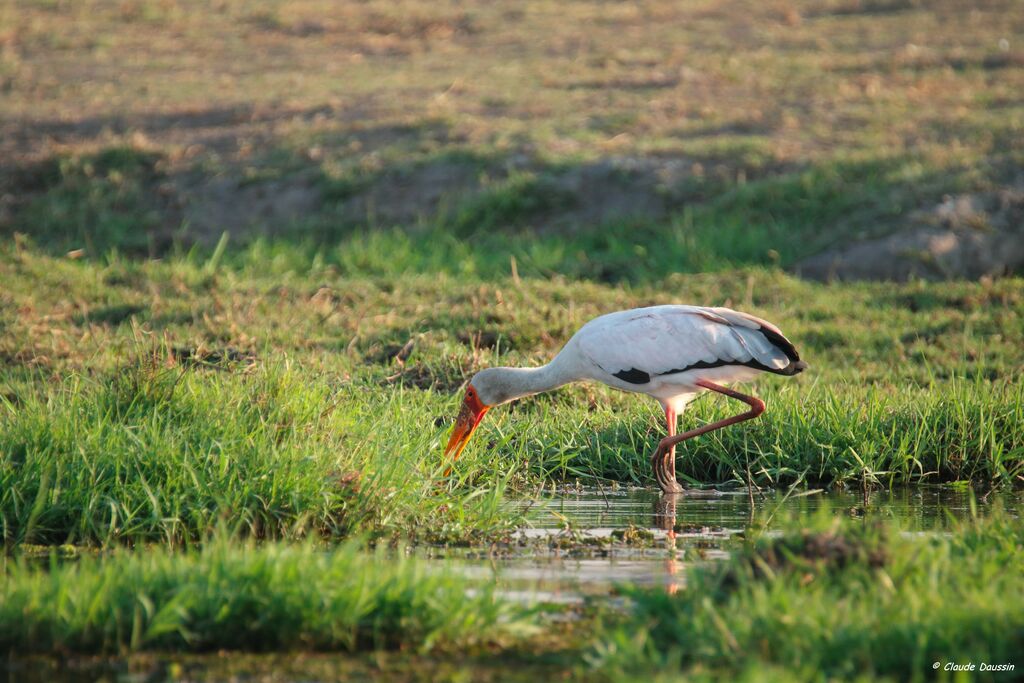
(671, 353)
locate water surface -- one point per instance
(553, 557)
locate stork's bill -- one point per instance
(473, 410)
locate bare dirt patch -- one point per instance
(564, 198)
(212, 206)
(965, 236)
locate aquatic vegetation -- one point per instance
(821, 596)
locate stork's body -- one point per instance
(671, 353)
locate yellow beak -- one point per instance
(473, 410)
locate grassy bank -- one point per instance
(247, 304)
(834, 599)
(152, 453)
(838, 435)
(235, 596)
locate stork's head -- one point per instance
(488, 388)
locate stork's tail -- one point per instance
(777, 339)
(794, 368)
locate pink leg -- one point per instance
(670, 460)
(670, 418)
(664, 460)
(669, 442)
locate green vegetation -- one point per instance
(829, 598)
(239, 596)
(151, 454)
(165, 454)
(111, 202)
(96, 202)
(148, 400)
(251, 251)
(837, 599)
(704, 135)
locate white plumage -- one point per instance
(674, 346)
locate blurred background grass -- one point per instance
(615, 142)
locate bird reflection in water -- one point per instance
(665, 519)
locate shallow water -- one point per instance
(555, 559)
(921, 509)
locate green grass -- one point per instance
(146, 401)
(165, 455)
(96, 202)
(835, 599)
(113, 201)
(507, 204)
(820, 435)
(246, 597)
(157, 454)
(273, 301)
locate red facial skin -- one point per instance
(473, 410)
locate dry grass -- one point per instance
(728, 92)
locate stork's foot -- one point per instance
(664, 472)
(672, 487)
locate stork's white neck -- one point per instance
(500, 385)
